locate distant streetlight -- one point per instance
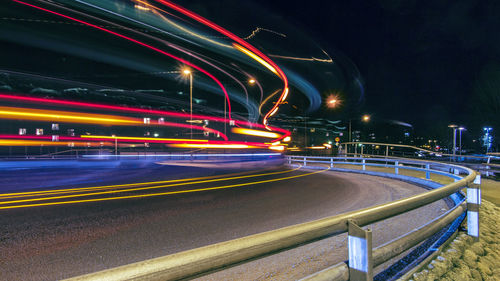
(460, 142)
(366, 118)
(251, 81)
(454, 127)
(187, 71)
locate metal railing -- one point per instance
(362, 258)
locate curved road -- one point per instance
(52, 242)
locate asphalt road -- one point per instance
(59, 241)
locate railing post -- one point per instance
(331, 162)
(364, 166)
(396, 169)
(488, 167)
(305, 161)
(473, 204)
(456, 172)
(427, 172)
(360, 253)
(290, 160)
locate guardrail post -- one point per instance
(473, 204)
(488, 167)
(305, 161)
(364, 166)
(289, 160)
(360, 253)
(456, 172)
(427, 172)
(331, 162)
(396, 169)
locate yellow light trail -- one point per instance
(162, 193)
(257, 58)
(63, 116)
(141, 188)
(209, 145)
(142, 139)
(257, 133)
(10, 142)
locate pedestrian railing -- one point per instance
(362, 257)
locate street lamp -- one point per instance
(187, 71)
(366, 118)
(454, 138)
(460, 142)
(251, 81)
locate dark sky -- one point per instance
(423, 62)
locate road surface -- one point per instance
(66, 232)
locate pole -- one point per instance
(460, 142)
(350, 139)
(116, 147)
(191, 102)
(454, 142)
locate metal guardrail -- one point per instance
(362, 258)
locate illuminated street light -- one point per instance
(366, 118)
(251, 81)
(332, 101)
(187, 71)
(454, 127)
(460, 142)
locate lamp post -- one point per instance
(186, 71)
(454, 127)
(460, 138)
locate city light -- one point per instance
(366, 118)
(256, 133)
(332, 101)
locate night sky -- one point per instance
(428, 63)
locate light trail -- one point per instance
(141, 188)
(162, 193)
(22, 98)
(241, 42)
(64, 116)
(141, 44)
(10, 142)
(257, 133)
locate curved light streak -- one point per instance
(239, 41)
(190, 53)
(141, 44)
(138, 110)
(64, 116)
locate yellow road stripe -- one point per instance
(81, 189)
(140, 188)
(160, 194)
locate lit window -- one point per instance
(147, 120)
(55, 127)
(39, 132)
(22, 131)
(161, 120)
